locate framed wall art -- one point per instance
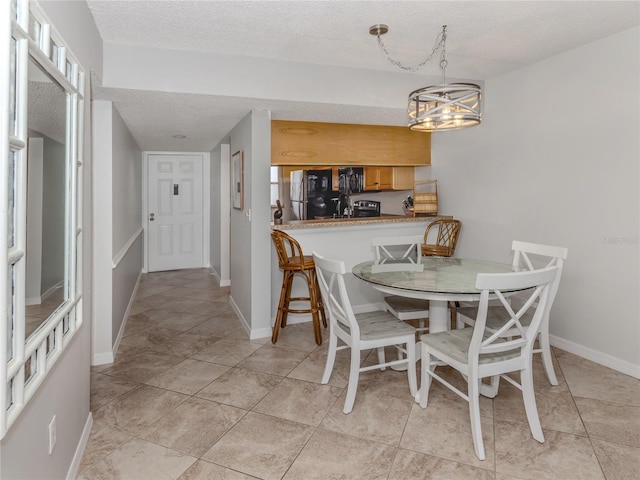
(237, 187)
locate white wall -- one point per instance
(126, 201)
(117, 225)
(219, 213)
(556, 161)
(65, 392)
(250, 262)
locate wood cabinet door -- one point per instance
(403, 178)
(371, 178)
(385, 178)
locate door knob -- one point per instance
(151, 217)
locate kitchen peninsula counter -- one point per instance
(346, 239)
(357, 222)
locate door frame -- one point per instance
(206, 216)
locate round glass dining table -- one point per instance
(437, 279)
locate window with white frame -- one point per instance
(41, 233)
(275, 195)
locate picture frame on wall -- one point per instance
(237, 187)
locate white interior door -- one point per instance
(175, 222)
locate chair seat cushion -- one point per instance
(496, 316)
(436, 250)
(455, 343)
(376, 325)
(293, 263)
(405, 304)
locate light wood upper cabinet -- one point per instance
(315, 143)
(388, 178)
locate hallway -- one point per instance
(190, 397)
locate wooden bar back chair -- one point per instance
(292, 261)
(447, 238)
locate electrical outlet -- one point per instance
(52, 434)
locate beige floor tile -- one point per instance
(337, 456)
(125, 463)
(261, 446)
(215, 309)
(445, 431)
(102, 442)
(138, 409)
(561, 456)
(202, 470)
(188, 377)
(105, 388)
(217, 326)
(183, 338)
(240, 388)
(556, 407)
(143, 366)
(589, 380)
(299, 401)
(312, 368)
(416, 466)
(193, 426)
(273, 360)
(227, 352)
(610, 421)
(299, 336)
(619, 462)
(183, 321)
(374, 417)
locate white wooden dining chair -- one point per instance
(479, 353)
(407, 248)
(526, 255)
(364, 331)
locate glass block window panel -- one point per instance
(55, 53)
(11, 312)
(11, 211)
(13, 78)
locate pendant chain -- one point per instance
(440, 43)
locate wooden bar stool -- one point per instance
(292, 262)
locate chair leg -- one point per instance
(319, 298)
(381, 357)
(547, 360)
(354, 373)
(425, 378)
(529, 397)
(474, 416)
(287, 298)
(331, 357)
(282, 304)
(411, 366)
(314, 305)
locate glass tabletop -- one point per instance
(445, 275)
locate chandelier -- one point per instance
(438, 107)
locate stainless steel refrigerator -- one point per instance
(311, 194)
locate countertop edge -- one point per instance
(350, 222)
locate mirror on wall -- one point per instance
(46, 284)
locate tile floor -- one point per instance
(190, 397)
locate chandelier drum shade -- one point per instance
(438, 107)
(445, 107)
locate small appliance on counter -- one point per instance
(366, 208)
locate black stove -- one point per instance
(366, 208)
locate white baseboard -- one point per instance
(109, 357)
(222, 283)
(617, 364)
(82, 445)
(123, 324)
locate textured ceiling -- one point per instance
(485, 39)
